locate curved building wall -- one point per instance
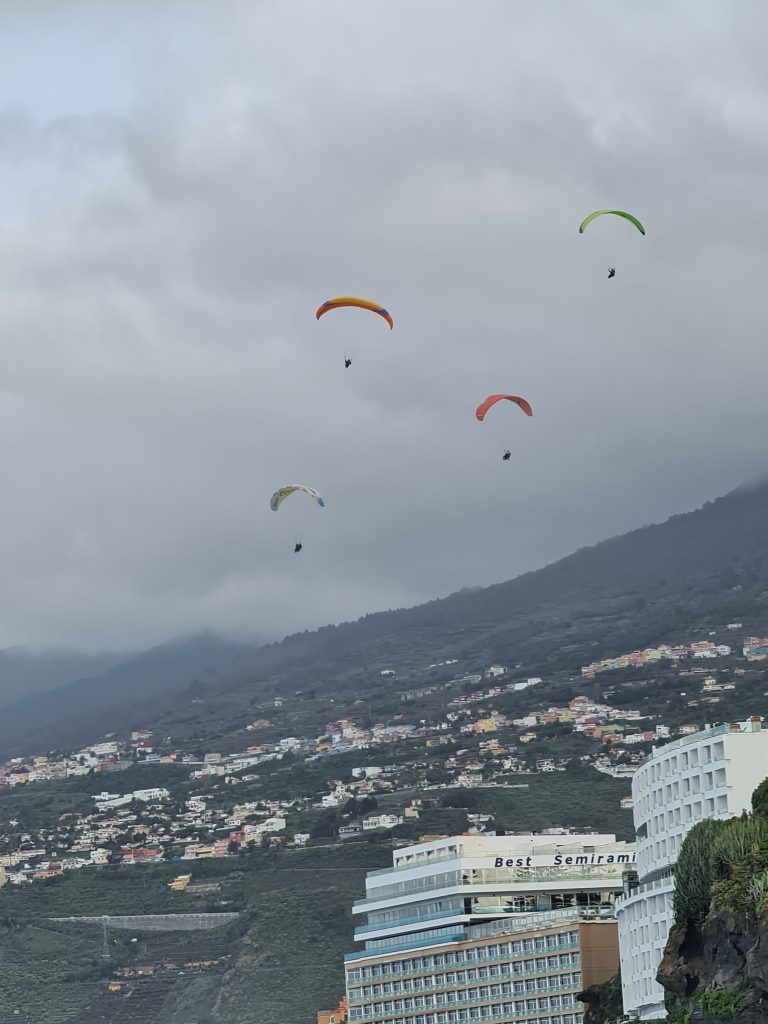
(710, 774)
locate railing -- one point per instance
(541, 919)
(506, 926)
(408, 943)
(416, 919)
(414, 864)
(520, 920)
(461, 1003)
(717, 730)
(455, 969)
(667, 881)
(415, 993)
(404, 888)
(510, 877)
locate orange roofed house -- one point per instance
(337, 1016)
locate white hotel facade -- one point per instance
(502, 929)
(709, 774)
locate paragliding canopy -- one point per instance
(352, 300)
(283, 492)
(617, 213)
(483, 408)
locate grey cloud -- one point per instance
(161, 370)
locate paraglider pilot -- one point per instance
(507, 455)
(611, 272)
(347, 362)
(297, 547)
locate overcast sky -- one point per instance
(182, 184)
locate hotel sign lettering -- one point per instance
(562, 860)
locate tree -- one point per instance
(760, 800)
(324, 826)
(367, 804)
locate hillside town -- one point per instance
(467, 743)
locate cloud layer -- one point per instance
(181, 187)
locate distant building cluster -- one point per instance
(700, 649)
(756, 648)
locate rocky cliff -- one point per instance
(719, 971)
(603, 1001)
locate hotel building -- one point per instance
(709, 774)
(492, 929)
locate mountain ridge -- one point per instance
(146, 679)
(626, 591)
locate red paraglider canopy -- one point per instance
(483, 408)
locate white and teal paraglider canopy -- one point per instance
(283, 492)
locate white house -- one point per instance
(381, 821)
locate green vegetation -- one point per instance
(282, 959)
(720, 1004)
(604, 1000)
(695, 874)
(760, 800)
(722, 865)
(48, 972)
(579, 797)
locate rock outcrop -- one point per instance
(603, 1001)
(719, 972)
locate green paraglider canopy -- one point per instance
(617, 213)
